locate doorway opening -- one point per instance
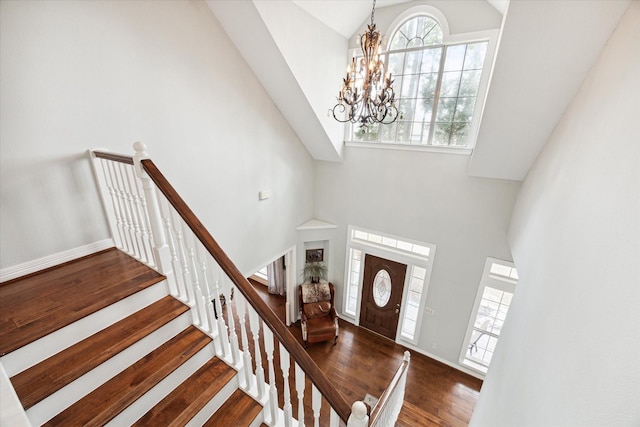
(279, 277)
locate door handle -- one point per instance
(397, 308)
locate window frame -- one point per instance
(448, 39)
(495, 281)
(397, 255)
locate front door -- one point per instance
(381, 295)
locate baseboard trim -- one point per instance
(29, 267)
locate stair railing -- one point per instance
(152, 223)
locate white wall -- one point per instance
(428, 197)
(569, 354)
(79, 75)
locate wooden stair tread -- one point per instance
(238, 411)
(186, 400)
(108, 400)
(43, 302)
(49, 376)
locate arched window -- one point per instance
(436, 87)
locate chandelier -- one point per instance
(367, 96)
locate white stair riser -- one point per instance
(141, 406)
(214, 404)
(66, 396)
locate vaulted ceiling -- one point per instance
(546, 49)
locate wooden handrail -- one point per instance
(322, 383)
(121, 158)
(386, 395)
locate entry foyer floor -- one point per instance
(363, 363)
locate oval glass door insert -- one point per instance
(382, 288)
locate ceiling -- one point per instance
(537, 71)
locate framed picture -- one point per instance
(315, 255)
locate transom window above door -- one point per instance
(438, 86)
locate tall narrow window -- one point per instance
(353, 288)
(490, 310)
(414, 298)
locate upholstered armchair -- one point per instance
(317, 312)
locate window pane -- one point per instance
(427, 85)
(389, 132)
(404, 131)
(502, 270)
(474, 58)
(421, 250)
(459, 134)
(450, 83)
(455, 58)
(423, 110)
(464, 109)
(446, 108)
(419, 272)
(412, 62)
(441, 134)
(409, 87)
(359, 235)
(470, 82)
(431, 60)
(396, 63)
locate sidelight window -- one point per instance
(493, 300)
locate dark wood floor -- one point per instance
(363, 363)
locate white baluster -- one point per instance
(124, 225)
(191, 298)
(225, 348)
(184, 267)
(273, 390)
(246, 353)
(334, 418)
(284, 365)
(141, 213)
(254, 323)
(316, 402)
(206, 292)
(233, 336)
(129, 185)
(126, 202)
(197, 293)
(174, 285)
(300, 390)
(177, 252)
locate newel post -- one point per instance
(161, 252)
(358, 417)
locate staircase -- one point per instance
(138, 334)
(100, 341)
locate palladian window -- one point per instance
(436, 86)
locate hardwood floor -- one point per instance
(363, 363)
